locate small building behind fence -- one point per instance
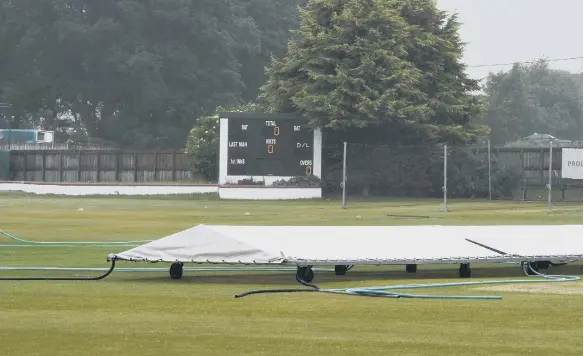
(12, 138)
(531, 155)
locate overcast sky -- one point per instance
(504, 31)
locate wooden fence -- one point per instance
(173, 166)
(53, 147)
(99, 166)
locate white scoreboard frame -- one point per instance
(224, 178)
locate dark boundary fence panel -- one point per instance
(4, 165)
(520, 174)
(99, 166)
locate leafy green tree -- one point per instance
(136, 72)
(389, 66)
(274, 20)
(32, 61)
(534, 98)
(386, 72)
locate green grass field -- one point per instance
(150, 314)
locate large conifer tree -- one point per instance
(376, 64)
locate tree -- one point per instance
(534, 98)
(391, 67)
(32, 64)
(136, 72)
(203, 142)
(274, 20)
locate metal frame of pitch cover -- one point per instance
(305, 268)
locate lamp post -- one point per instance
(550, 178)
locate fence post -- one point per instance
(523, 179)
(344, 183)
(489, 158)
(25, 161)
(97, 165)
(550, 180)
(444, 188)
(117, 165)
(79, 166)
(173, 174)
(60, 166)
(135, 167)
(155, 164)
(44, 165)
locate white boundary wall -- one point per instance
(99, 189)
(240, 193)
(269, 193)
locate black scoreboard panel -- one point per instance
(269, 147)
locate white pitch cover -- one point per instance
(198, 244)
(549, 241)
(360, 244)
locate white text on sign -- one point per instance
(270, 123)
(237, 160)
(270, 141)
(301, 145)
(243, 127)
(237, 144)
(306, 162)
(296, 128)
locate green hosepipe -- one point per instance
(388, 291)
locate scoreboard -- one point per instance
(273, 146)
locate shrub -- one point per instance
(203, 147)
(298, 181)
(203, 142)
(250, 181)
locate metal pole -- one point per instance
(445, 178)
(489, 158)
(550, 180)
(344, 175)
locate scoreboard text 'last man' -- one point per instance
(267, 145)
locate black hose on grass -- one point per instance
(107, 273)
